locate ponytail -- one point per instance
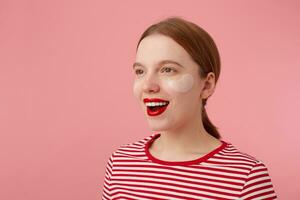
(208, 126)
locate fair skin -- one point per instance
(165, 70)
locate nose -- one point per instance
(151, 84)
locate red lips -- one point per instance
(155, 106)
(154, 100)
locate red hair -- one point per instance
(200, 46)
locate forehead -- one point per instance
(154, 48)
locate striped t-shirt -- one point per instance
(224, 173)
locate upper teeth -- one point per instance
(156, 103)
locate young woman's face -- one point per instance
(167, 83)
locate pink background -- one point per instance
(66, 97)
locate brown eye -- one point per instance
(139, 71)
(167, 70)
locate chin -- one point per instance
(159, 127)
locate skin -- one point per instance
(183, 136)
(184, 83)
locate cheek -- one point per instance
(137, 87)
(181, 85)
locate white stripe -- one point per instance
(131, 149)
(105, 196)
(258, 192)
(195, 169)
(192, 172)
(235, 166)
(164, 192)
(235, 158)
(257, 180)
(159, 179)
(256, 186)
(192, 169)
(181, 189)
(176, 176)
(258, 173)
(217, 166)
(129, 196)
(230, 161)
(121, 153)
(151, 196)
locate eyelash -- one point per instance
(163, 70)
(169, 68)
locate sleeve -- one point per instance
(258, 184)
(106, 190)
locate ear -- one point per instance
(208, 86)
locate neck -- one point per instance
(184, 139)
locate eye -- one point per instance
(168, 70)
(138, 71)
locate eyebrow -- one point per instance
(163, 62)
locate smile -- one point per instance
(156, 106)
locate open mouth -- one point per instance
(156, 106)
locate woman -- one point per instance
(177, 67)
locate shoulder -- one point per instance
(132, 148)
(256, 179)
(255, 175)
(231, 151)
(232, 157)
(254, 169)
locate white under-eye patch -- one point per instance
(182, 84)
